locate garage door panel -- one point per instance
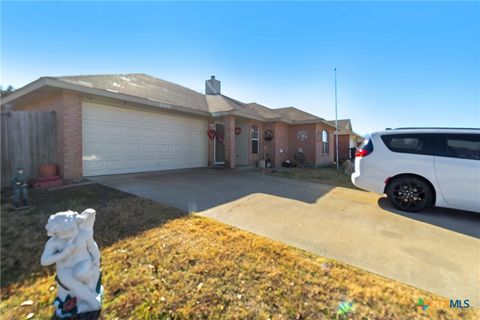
(93, 147)
(93, 165)
(103, 114)
(93, 126)
(178, 163)
(131, 148)
(165, 125)
(112, 156)
(132, 156)
(162, 133)
(132, 117)
(132, 132)
(175, 149)
(176, 135)
(164, 149)
(150, 163)
(113, 164)
(112, 129)
(114, 147)
(133, 164)
(117, 140)
(150, 147)
(163, 140)
(150, 120)
(113, 115)
(149, 132)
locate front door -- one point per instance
(241, 142)
(219, 144)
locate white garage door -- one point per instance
(119, 140)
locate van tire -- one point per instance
(409, 193)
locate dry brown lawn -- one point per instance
(325, 175)
(159, 263)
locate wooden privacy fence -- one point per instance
(29, 139)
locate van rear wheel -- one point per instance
(409, 193)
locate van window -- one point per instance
(465, 146)
(410, 143)
(367, 144)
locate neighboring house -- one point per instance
(347, 139)
(109, 124)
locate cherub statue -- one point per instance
(77, 258)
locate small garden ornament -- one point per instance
(74, 251)
(300, 157)
(20, 192)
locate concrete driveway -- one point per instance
(438, 250)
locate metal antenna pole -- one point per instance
(336, 121)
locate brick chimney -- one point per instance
(212, 86)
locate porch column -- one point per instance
(229, 141)
(211, 149)
(72, 136)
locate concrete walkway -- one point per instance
(438, 250)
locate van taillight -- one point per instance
(361, 153)
(365, 149)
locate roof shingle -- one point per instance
(143, 86)
(154, 89)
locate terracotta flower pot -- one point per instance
(48, 170)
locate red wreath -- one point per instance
(268, 135)
(238, 130)
(211, 133)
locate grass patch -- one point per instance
(324, 175)
(159, 264)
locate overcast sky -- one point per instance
(399, 64)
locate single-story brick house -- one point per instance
(109, 124)
(347, 139)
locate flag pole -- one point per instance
(336, 121)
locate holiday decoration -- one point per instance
(302, 135)
(268, 135)
(220, 137)
(211, 133)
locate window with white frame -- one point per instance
(325, 146)
(255, 140)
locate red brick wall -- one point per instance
(281, 137)
(211, 125)
(72, 135)
(68, 109)
(229, 141)
(269, 144)
(308, 146)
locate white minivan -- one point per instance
(419, 167)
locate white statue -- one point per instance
(77, 258)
